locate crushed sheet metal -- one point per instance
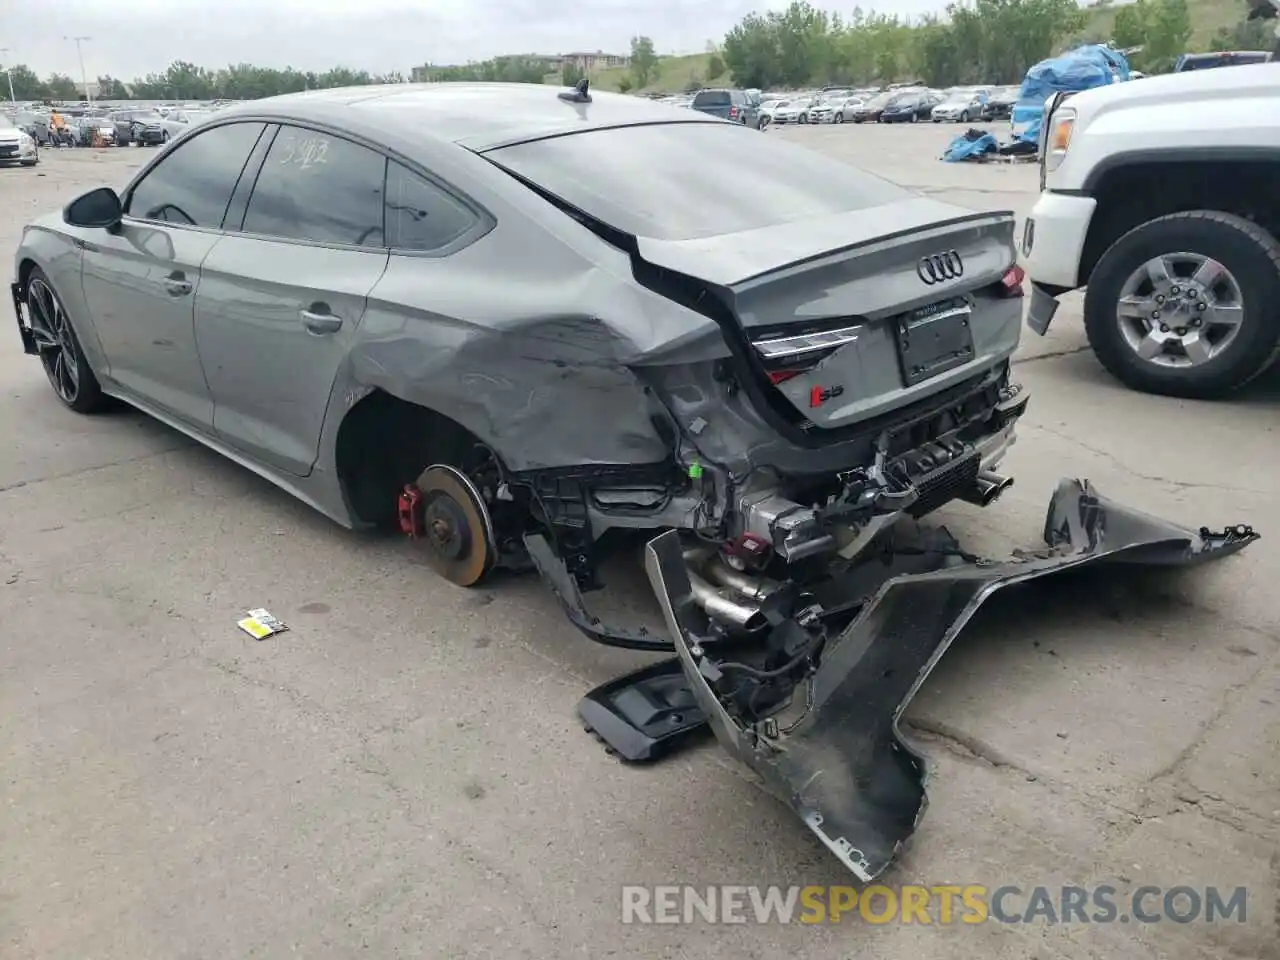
(845, 767)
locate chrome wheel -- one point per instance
(54, 339)
(1180, 310)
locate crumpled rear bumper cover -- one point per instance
(845, 767)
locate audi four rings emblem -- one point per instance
(940, 266)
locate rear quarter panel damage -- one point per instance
(537, 364)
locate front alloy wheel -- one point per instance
(1183, 305)
(60, 354)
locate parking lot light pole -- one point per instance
(4, 52)
(84, 77)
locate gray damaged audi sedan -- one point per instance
(514, 321)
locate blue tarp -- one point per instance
(1084, 68)
(961, 148)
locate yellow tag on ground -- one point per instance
(255, 628)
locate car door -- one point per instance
(283, 293)
(140, 281)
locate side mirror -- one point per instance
(97, 208)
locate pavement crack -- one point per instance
(1050, 355)
(965, 746)
(1153, 478)
(19, 484)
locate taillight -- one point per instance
(733, 113)
(1011, 282)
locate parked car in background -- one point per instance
(828, 103)
(959, 106)
(1220, 58)
(35, 124)
(790, 111)
(143, 127)
(871, 110)
(768, 109)
(178, 122)
(999, 105)
(89, 131)
(732, 105)
(16, 145)
(911, 107)
(844, 113)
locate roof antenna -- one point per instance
(579, 94)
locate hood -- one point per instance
(1255, 81)
(10, 135)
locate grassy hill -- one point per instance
(1207, 17)
(674, 74)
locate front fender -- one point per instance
(47, 244)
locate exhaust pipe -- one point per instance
(986, 489)
(734, 599)
(724, 606)
(752, 588)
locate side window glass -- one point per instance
(192, 184)
(318, 187)
(420, 215)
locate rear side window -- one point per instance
(681, 181)
(712, 98)
(421, 215)
(192, 184)
(317, 187)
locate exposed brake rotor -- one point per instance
(457, 530)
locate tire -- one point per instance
(915, 118)
(838, 118)
(964, 116)
(164, 137)
(1251, 258)
(72, 379)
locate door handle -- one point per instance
(177, 286)
(321, 323)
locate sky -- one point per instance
(131, 38)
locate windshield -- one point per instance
(960, 96)
(6, 123)
(683, 181)
(883, 99)
(712, 98)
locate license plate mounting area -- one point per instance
(934, 339)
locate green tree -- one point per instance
(570, 73)
(751, 52)
(109, 88)
(644, 61)
(26, 85)
(60, 87)
(624, 84)
(715, 67)
(1246, 35)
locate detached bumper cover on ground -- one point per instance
(844, 767)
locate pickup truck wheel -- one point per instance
(1184, 305)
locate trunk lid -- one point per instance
(856, 313)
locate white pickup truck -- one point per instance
(1162, 197)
